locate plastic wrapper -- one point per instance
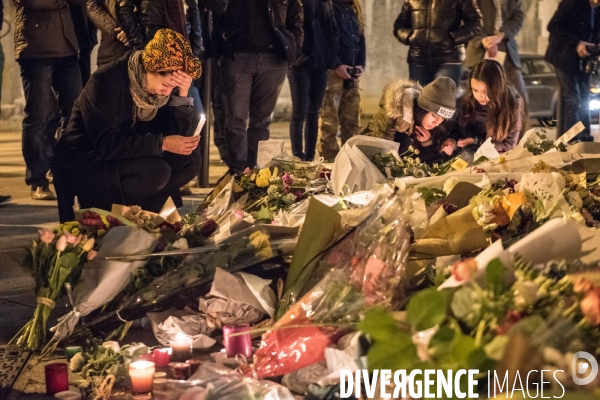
(215, 382)
(333, 306)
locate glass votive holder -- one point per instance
(194, 364)
(162, 356)
(181, 348)
(71, 351)
(238, 344)
(180, 371)
(57, 378)
(141, 374)
(159, 381)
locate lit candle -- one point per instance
(161, 357)
(57, 378)
(71, 351)
(141, 374)
(181, 347)
(239, 344)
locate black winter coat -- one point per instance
(352, 50)
(102, 129)
(571, 24)
(103, 15)
(321, 36)
(140, 19)
(286, 17)
(44, 29)
(437, 30)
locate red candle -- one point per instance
(239, 344)
(57, 378)
(194, 364)
(180, 371)
(161, 357)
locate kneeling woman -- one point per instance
(130, 140)
(491, 108)
(415, 116)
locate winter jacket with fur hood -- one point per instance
(395, 110)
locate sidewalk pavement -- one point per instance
(22, 217)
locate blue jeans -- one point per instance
(425, 75)
(251, 85)
(307, 87)
(575, 93)
(42, 78)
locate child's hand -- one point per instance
(465, 142)
(422, 134)
(448, 146)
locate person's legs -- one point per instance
(571, 86)
(318, 83)
(452, 71)
(299, 79)
(237, 84)
(39, 123)
(66, 82)
(85, 66)
(583, 82)
(218, 109)
(1, 70)
(266, 86)
(349, 112)
(142, 178)
(327, 143)
(419, 73)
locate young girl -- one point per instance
(490, 109)
(409, 115)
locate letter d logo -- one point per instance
(581, 367)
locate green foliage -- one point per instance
(427, 308)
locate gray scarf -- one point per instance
(145, 105)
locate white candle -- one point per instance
(141, 374)
(181, 348)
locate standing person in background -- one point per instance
(47, 51)
(574, 32)
(113, 44)
(341, 105)
(502, 21)
(436, 32)
(261, 38)
(87, 38)
(3, 198)
(308, 77)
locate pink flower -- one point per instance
(46, 236)
(464, 269)
(298, 193)
(70, 238)
(287, 179)
(582, 285)
(286, 188)
(247, 171)
(590, 306)
(61, 243)
(511, 318)
(91, 255)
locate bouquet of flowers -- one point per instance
(394, 165)
(53, 259)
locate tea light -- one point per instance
(57, 378)
(181, 348)
(180, 371)
(161, 357)
(239, 344)
(141, 374)
(194, 364)
(71, 351)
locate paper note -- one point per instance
(570, 134)
(459, 164)
(500, 57)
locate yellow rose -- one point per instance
(261, 243)
(264, 175)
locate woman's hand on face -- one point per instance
(183, 81)
(422, 134)
(465, 142)
(180, 144)
(448, 146)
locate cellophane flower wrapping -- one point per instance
(331, 308)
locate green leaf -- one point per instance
(69, 260)
(478, 359)
(264, 214)
(441, 342)
(378, 324)
(495, 348)
(395, 352)
(462, 302)
(494, 274)
(427, 309)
